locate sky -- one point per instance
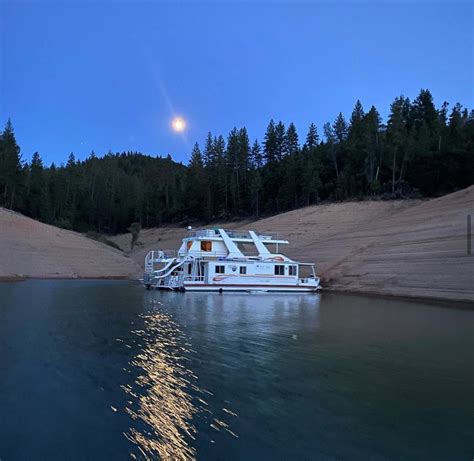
(110, 75)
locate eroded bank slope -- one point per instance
(408, 248)
(29, 248)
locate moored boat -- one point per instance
(224, 260)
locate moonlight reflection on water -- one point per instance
(161, 398)
(165, 396)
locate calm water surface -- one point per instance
(107, 370)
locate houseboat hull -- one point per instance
(251, 288)
(248, 288)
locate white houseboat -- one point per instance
(224, 260)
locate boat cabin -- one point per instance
(218, 260)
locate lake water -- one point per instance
(107, 370)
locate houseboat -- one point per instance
(224, 260)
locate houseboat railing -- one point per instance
(204, 233)
(216, 254)
(194, 278)
(232, 234)
(156, 256)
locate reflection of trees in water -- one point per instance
(161, 394)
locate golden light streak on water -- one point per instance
(165, 397)
(164, 403)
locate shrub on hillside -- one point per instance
(102, 239)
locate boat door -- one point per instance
(203, 272)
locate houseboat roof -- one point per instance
(234, 235)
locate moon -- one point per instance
(178, 124)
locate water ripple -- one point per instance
(160, 394)
(165, 397)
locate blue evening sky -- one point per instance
(82, 76)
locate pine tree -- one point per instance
(255, 177)
(455, 126)
(71, 160)
(442, 124)
(196, 186)
(340, 128)
(273, 173)
(280, 140)
(356, 131)
(425, 119)
(424, 111)
(38, 193)
(357, 117)
(10, 166)
(292, 165)
(373, 148)
(398, 136)
(256, 155)
(72, 183)
(208, 155)
(270, 148)
(209, 161)
(355, 155)
(331, 141)
(291, 146)
(244, 170)
(312, 138)
(233, 163)
(311, 166)
(221, 190)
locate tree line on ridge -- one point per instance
(421, 150)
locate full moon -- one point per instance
(178, 124)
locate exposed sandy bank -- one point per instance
(407, 248)
(29, 248)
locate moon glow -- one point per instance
(178, 124)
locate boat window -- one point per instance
(220, 269)
(243, 270)
(292, 270)
(189, 269)
(206, 245)
(279, 270)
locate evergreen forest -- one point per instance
(420, 151)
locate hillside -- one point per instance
(408, 248)
(415, 248)
(29, 248)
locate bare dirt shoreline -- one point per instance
(415, 249)
(30, 249)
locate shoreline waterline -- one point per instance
(441, 302)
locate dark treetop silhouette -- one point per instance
(420, 150)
